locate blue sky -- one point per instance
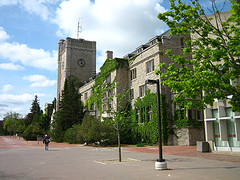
(30, 31)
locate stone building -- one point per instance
(118, 76)
(76, 57)
(146, 59)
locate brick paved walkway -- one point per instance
(190, 151)
(16, 142)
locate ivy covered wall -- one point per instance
(145, 116)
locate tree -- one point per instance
(46, 119)
(214, 70)
(70, 110)
(119, 115)
(13, 123)
(35, 105)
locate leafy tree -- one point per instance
(13, 123)
(70, 110)
(119, 115)
(215, 55)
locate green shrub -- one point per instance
(89, 130)
(140, 145)
(108, 134)
(70, 135)
(28, 134)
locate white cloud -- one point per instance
(7, 88)
(10, 66)
(118, 25)
(16, 99)
(37, 7)
(17, 52)
(3, 35)
(39, 81)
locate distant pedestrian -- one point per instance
(46, 141)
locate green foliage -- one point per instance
(215, 55)
(29, 133)
(141, 144)
(46, 119)
(35, 105)
(70, 110)
(57, 131)
(147, 131)
(101, 85)
(13, 123)
(70, 135)
(180, 120)
(90, 129)
(108, 133)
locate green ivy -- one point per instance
(180, 120)
(100, 85)
(147, 131)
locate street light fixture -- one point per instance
(160, 164)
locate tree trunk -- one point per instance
(119, 144)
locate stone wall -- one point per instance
(188, 136)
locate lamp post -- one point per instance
(160, 164)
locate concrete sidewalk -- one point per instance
(102, 163)
(188, 151)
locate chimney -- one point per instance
(109, 54)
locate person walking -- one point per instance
(46, 141)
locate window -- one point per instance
(92, 107)
(139, 119)
(104, 101)
(108, 79)
(182, 43)
(131, 94)
(198, 115)
(142, 90)
(149, 113)
(85, 96)
(110, 99)
(133, 74)
(150, 66)
(189, 114)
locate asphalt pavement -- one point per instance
(82, 162)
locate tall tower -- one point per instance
(76, 57)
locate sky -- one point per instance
(31, 29)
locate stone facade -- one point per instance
(188, 136)
(76, 57)
(133, 77)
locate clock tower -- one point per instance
(76, 57)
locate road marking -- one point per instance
(99, 162)
(130, 159)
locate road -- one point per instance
(81, 162)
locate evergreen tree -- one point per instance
(70, 110)
(35, 106)
(34, 121)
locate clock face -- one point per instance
(81, 62)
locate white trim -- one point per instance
(225, 118)
(232, 149)
(211, 119)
